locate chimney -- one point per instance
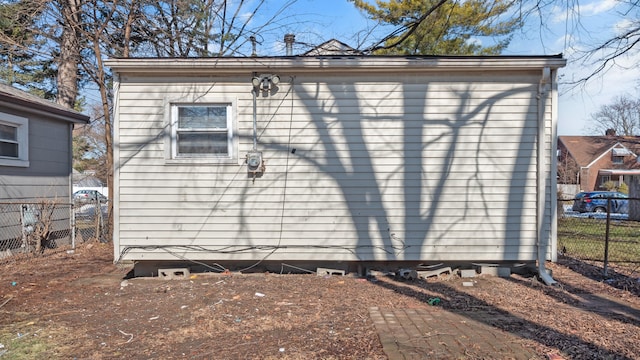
(253, 45)
(610, 132)
(288, 40)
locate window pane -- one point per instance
(8, 149)
(202, 117)
(8, 132)
(202, 143)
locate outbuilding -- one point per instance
(351, 162)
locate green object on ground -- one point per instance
(433, 301)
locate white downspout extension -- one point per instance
(543, 89)
(118, 251)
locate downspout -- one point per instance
(118, 249)
(543, 89)
(72, 218)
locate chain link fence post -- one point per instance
(606, 239)
(73, 226)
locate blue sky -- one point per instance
(315, 21)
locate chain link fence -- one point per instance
(32, 228)
(608, 237)
(39, 227)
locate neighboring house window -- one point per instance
(604, 179)
(618, 154)
(202, 131)
(14, 140)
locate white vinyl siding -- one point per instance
(420, 167)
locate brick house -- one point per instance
(592, 161)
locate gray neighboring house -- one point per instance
(351, 161)
(35, 147)
(35, 167)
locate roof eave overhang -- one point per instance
(355, 64)
(618, 172)
(20, 104)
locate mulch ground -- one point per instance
(80, 305)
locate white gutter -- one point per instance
(543, 89)
(339, 64)
(619, 172)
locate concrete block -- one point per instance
(329, 272)
(489, 270)
(467, 273)
(407, 274)
(174, 274)
(501, 271)
(429, 273)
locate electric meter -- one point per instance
(254, 163)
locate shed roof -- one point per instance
(15, 98)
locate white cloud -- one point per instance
(559, 15)
(598, 7)
(567, 44)
(623, 26)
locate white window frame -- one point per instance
(22, 126)
(171, 145)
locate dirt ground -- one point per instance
(80, 305)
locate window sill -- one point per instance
(14, 163)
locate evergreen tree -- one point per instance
(442, 27)
(24, 62)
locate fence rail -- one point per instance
(45, 226)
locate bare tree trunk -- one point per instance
(69, 61)
(99, 76)
(131, 18)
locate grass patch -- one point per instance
(585, 239)
(25, 341)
